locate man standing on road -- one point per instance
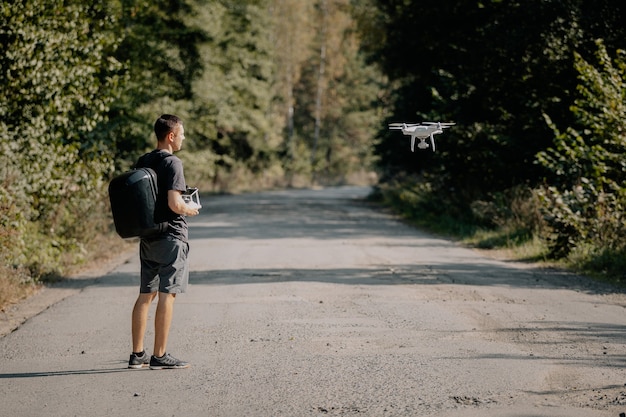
(164, 261)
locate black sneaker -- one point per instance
(167, 361)
(138, 361)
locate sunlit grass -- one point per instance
(15, 285)
(511, 244)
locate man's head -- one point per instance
(169, 130)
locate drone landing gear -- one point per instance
(422, 144)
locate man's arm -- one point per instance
(177, 204)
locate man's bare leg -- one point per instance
(140, 319)
(162, 322)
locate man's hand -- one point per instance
(178, 205)
(192, 209)
(194, 205)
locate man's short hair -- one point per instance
(165, 124)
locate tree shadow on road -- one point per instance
(478, 274)
(441, 274)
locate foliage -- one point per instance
(285, 92)
(160, 58)
(57, 81)
(82, 84)
(602, 263)
(493, 68)
(337, 106)
(496, 68)
(415, 200)
(253, 105)
(233, 96)
(586, 204)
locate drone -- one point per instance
(422, 131)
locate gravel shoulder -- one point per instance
(311, 303)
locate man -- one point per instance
(164, 262)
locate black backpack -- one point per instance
(133, 197)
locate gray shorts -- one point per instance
(164, 266)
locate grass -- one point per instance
(16, 284)
(604, 264)
(511, 244)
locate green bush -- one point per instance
(586, 204)
(56, 83)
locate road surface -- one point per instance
(315, 303)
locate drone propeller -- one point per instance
(402, 125)
(440, 124)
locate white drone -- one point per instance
(422, 131)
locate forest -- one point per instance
(297, 93)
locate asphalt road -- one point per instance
(315, 303)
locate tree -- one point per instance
(233, 99)
(337, 108)
(57, 80)
(493, 68)
(158, 46)
(293, 29)
(261, 102)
